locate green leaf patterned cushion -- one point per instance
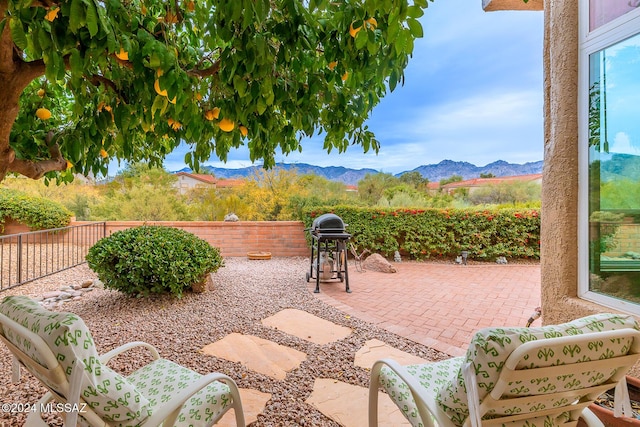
(110, 395)
(429, 375)
(160, 380)
(490, 347)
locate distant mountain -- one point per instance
(447, 168)
(620, 166)
(434, 173)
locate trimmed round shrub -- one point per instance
(152, 259)
(37, 213)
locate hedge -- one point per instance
(440, 233)
(35, 212)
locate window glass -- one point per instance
(614, 170)
(603, 11)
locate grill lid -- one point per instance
(328, 223)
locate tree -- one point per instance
(371, 188)
(86, 81)
(452, 178)
(487, 175)
(415, 179)
(140, 193)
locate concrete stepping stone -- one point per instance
(257, 354)
(375, 350)
(306, 326)
(348, 405)
(253, 403)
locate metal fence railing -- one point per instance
(25, 257)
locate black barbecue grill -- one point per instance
(328, 250)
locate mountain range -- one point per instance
(434, 172)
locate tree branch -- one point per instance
(97, 79)
(205, 72)
(37, 169)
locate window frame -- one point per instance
(590, 42)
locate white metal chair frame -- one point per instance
(165, 414)
(578, 399)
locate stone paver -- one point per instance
(257, 354)
(348, 404)
(439, 305)
(375, 350)
(253, 402)
(306, 326)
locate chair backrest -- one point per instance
(57, 348)
(516, 374)
(535, 380)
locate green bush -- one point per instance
(434, 233)
(153, 259)
(36, 213)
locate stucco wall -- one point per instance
(559, 239)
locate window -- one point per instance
(610, 153)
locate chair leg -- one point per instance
(590, 418)
(237, 403)
(373, 395)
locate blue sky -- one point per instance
(473, 92)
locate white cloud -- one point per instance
(622, 145)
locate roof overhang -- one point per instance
(493, 5)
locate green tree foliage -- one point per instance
(141, 194)
(452, 178)
(371, 188)
(415, 179)
(620, 194)
(86, 81)
(503, 193)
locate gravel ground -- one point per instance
(244, 293)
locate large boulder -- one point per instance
(377, 262)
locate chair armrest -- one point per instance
(167, 408)
(105, 358)
(417, 391)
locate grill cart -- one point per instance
(328, 251)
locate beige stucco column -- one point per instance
(559, 238)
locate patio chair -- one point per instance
(534, 377)
(57, 348)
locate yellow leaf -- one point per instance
(123, 55)
(354, 31)
(159, 90)
(52, 14)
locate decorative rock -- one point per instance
(377, 262)
(231, 217)
(501, 260)
(397, 257)
(51, 294)
(55, 299)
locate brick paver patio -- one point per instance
(439, 305)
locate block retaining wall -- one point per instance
(235, 239)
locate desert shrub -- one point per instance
(35, 212)
(152, 259)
